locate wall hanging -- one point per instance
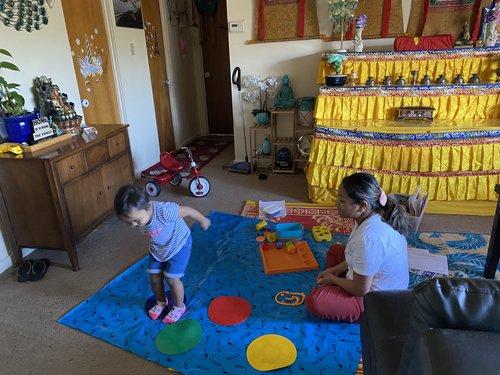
(435, 17)
(128, 13)
(281, 20)
(26, 15)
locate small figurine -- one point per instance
(370, 81)
(285, 97)
(474, 78)
(414, 77)
(400, 81)
(426, 80)
(458, 80)
(387, 81)
(441, 80)
(464, 37)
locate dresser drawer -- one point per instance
(117, 144)
(96, 155)
(70, 167)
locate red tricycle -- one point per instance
(170, 170)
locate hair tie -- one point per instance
(382, 199)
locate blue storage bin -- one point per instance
(290, 231)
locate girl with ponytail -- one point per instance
(375, 257)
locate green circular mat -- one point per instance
(179, 337)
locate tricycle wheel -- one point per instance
(153, 189)
(176, 180)
(199, 187)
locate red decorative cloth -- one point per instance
(424, 43)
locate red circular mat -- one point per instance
(228, 311)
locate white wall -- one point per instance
(298, 59)
(43, 52)
(187, 91)
(129, 52)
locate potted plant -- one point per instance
(341, 14)
(336, 61)
(16, 119)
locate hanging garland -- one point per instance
(24, 14)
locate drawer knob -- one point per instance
(71, 167)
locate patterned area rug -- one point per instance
(204, 150)
(466, 252)
(307, 214)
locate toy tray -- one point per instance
(289, 231)
(280, 261)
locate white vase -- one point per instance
(358, 42)
(491, 34)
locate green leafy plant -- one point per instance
(11, 102)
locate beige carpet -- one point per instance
(31, 340)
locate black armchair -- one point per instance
(444, 326)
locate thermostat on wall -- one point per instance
(236, 26)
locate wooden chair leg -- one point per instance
(73, 257)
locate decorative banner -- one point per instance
(385, 19)
(436, 17)
(279, 20)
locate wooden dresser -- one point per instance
(52, 199)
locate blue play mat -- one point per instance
(224, 261)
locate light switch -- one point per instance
(132, 49)
(236, 27)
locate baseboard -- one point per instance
(6, 262)
(190, 139)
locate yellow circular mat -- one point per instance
(271, 352)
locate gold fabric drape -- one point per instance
(379, 65)
(333, 105)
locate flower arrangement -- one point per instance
(361, 21)
(336, 61)
(341, 14)
(258, 89)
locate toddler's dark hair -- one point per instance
(362, 186)
(129, 196)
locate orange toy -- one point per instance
(279, 261)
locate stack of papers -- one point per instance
(272, 210)
(415, 203)
(423, 260)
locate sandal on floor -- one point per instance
(24, 271)
(39, 269)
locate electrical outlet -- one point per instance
(236, 26)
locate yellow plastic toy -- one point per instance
(261, 225)
(290, 247)
(14, 148)
(321, 234)
(271, 237)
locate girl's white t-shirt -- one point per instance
(376, 249)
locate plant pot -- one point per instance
(19, 128)
(335, 79)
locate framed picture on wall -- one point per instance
(128, 13)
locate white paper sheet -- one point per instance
(423, 260)
(278, 208)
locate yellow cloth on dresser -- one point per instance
(448, 63)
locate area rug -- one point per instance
(203, 150)
(224, 261)
(308, 214)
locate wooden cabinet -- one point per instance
(53, 199)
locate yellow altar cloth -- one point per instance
(382, 102)
(433, 63)
(457, 163)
